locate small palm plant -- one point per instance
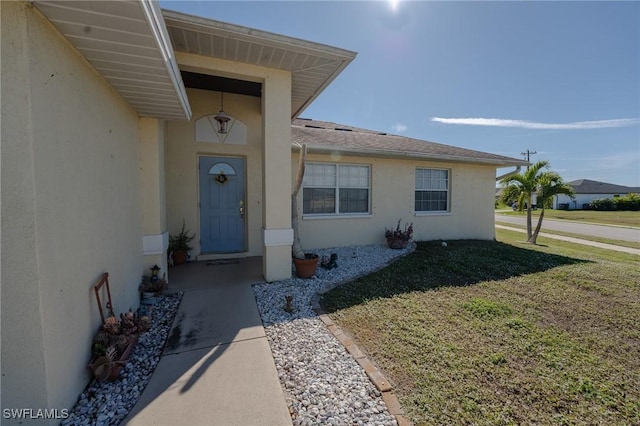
(179, 245)
(544, 183)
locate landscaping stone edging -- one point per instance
(375, 375)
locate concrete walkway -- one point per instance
(217, 367)
(576, 240)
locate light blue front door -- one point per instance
(222, 205)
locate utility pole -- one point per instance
(527, 155)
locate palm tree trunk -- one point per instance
(529, 217)
(534, 237)
(296, 248)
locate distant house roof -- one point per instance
(326, 137)
(586, 186)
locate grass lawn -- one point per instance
(622, 243)
(607, 218)
(503, 332)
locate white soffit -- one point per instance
(313, 66)
(127, 43)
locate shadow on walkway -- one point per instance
(217, 366)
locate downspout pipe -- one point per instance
(508, 174)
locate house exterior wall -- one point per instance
(580, 199)
(471, 215)
(153, 193)
(268, 149)
(182, 152)
(70, 210)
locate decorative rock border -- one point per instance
(322, 381)
(374, 374)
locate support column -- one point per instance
(153, 196)
(277, 232)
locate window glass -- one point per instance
(354, 176)
(335, 188)
(354, 200)
(318, 200)
(432, 190)
(319, 175)
(223, 168)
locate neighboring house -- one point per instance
(589, 190)
(109, 143)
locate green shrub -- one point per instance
(630, 202)
(602, 204)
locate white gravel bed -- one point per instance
(322, 382)
(108, 403)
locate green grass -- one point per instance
(606, 218)
(622, 243)
(493, 333)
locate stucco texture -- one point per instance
(268, 187)
(70, 210)
(183, 151)
(392, 197)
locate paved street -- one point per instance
(612, 232)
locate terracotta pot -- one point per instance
(179, 257)
(306, 268)
(397, 243)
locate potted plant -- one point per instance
(399, 238)
(179, 245)
(150, 289)
(113, 343)
(306, 264)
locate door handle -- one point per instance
(242, 209)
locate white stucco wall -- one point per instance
(70, 210)
(182, 153)
(579, 200)
(153, 193)
(392, 198)
(268, 121)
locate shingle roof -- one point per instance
(586, 186)
(322, 136)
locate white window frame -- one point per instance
(448, 191)
(336, 187)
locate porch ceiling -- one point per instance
(313, 66)
(127, 43)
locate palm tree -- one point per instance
(534, 180)
(549, 184)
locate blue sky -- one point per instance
(559, 78)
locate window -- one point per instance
(432, 190)
(224, 168)
(335, 189)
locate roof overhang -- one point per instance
(313, 66)
(406, 155)
(128, 44)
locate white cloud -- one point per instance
(523, 124)
(399, 128)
